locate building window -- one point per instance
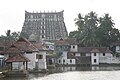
(94, 54)
(42, 36)
(43, 31)
(63, 61)
(28, 52)
(39, 56)
(94, 60)
(43, 27)
(69, 46)
(47, 46)
(103, 54)
(70, 61)
(73, 46)
(59, 61)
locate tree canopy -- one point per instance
(9, 37)
(94, 31)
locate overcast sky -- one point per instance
(12, 12)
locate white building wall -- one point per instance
(118, 49)
(74, 48)
(42, 62)
(77, 54)
(63, 59)
(32, 58)
(50, 45)
(70, 63)
(88, 54)
(17, 66)
(107, 58)
(64, 55)
(115, 60)
(93, 58)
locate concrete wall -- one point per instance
(93, 58)
(31, 57)
(63, 59)
(42, 62)
(115, 60)
(118, 49)
(32, 64)
(88, 54)
(77, 54)
(17, 66)
(74, 48)
(105, 58)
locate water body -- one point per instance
(76, 73)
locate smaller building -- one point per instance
(69, 53)
(62, 47)
(36, 54)
(91, 56)
(18, 62)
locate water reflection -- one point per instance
(92, 68)
(74, 73)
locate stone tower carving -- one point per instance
(45, 25)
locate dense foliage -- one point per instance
(9, 37)
(94, 31)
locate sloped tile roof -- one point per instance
(40, 46)
(20, 46)
(24, 45)
(18, 58)
(4, 46)
(12, 49)
(89, 50)
(94, 50)
(66, 42)
(72, 41)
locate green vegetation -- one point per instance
(9, 37)
(94, 31)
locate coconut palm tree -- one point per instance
(106, 31)
(87, 27)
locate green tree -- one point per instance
(95, 31)
(86, 29)
(73, 34)
(80, 22)
(106, 31)
(15, 35)
(9, 37)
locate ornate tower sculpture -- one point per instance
(45, 25)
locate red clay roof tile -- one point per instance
(18, 58)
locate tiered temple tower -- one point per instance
(44, 25)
